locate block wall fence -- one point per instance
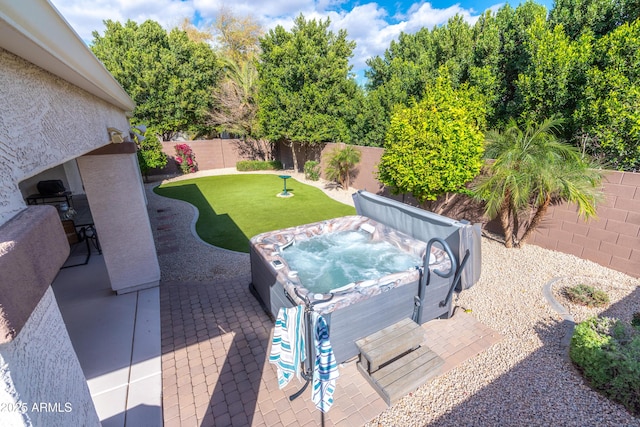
(612, 240)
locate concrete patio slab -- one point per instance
(117, 341)
(109, 406)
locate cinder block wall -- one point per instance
(210, 154)
(365, 173)
(613, 240)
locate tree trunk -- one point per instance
(294, 156)
(505, 220)
(448, 204)
(515, 221)
(537, 218)
(347, 178)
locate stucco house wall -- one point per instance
(39, 365)
(45, 122)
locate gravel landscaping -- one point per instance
(524, 380)
(527, 378)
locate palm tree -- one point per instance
(236, 107)
(340, 164)
(532, 168)
(236, 98)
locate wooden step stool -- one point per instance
(396, 362)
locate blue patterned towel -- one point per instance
(287, 346)
(325, 368)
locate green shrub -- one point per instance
(258, 165)
(587, 295)
(150, 154)
(607, 351)
(434, 146)
(312, 170)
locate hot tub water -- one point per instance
(330, 261)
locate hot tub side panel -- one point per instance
(348, 324)
(266, 285)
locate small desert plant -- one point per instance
(258, 165)
(587, 295)
(312, 170)
(340, 164)
(607, 351)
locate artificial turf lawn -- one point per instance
(234, 208)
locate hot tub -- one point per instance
(379, 297)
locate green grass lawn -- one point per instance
(234, 208)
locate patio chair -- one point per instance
(75, 236)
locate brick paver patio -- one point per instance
(215, 339)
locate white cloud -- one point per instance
(423, 15)
(266, 11)
(373, 29)
(86, 16)
(370, 25)
(367, 25)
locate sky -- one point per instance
(372, 25)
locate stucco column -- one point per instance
(41, 381)
(116, 197)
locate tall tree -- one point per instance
(513, 25)
(305, 87)
(369, 123)
(413, 63)
(169, 76)
(532, 168)
(608, 117)
(235, 110)
(598, 17)
(237, 37)
(236, 106)
(393, 81)
(549, 83)
(194, 33)
(484, 71)
(435, 146)
(454, 48)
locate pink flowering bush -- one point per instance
(185, 158)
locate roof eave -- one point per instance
(35, 31)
